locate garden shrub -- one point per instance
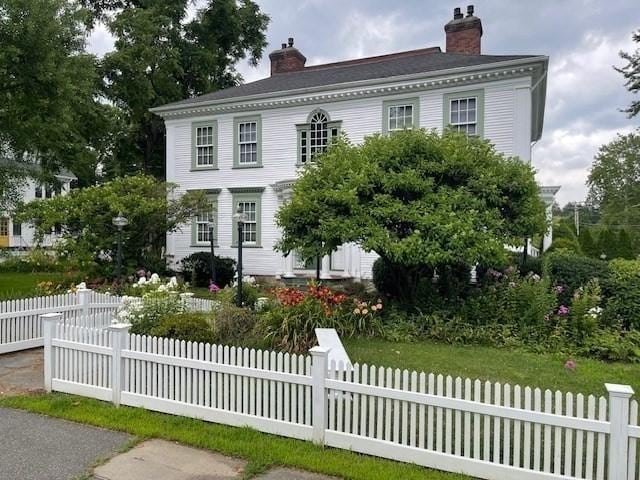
(585, 311)
(234, 325)
(190, 327)
(570, 271)
(196, 269)
(383, 276)
(147, 313)
(36, 260)
(622, 293)
(612, 344)
(250, 294)
(565, 244)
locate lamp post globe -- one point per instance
(240, 217)
(119, 222)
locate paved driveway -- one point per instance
(35, 447)
(21, 372)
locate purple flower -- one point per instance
(563, 310)
(570, 365)
(213, 288)
(559, 289)
(141, 273)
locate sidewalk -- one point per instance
(35, 447)
(21, 372)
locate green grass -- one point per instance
(21, 285)
(262, 451)
(496, 365)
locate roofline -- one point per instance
(173, 107)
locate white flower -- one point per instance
(81, 285)
(155, 278)
(162, 288)
(173, 283)
(142, 281)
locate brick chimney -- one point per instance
(463, 33)
(287, 59)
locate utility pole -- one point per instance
(576, 218)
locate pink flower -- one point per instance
(570, 365)
(213, 288)
(563, 310)
(559, 289)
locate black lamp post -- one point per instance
(119, 222)
(240, 218)
(212, 226)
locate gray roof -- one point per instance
(383, 67)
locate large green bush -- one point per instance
(191, 327)
(196, 269)
(234, 325)
(569, 272)
(622, 293)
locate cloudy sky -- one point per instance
(582, 39)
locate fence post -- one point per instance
(84, 296)
(119, 332)
(49, 321)
(319, 366)
(619, 396)
(187, 299)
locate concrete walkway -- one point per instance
(159, 459)
(35, 447)
(22, 372)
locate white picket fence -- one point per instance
(492, 431)
(20, 320)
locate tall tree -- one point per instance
(614, 180)
(161, 55)
(418, 199)
(631, 73)
(625, 245)
(49, 107)
(587, 243)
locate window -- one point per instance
(38, 191)
(313, 137)
(464, 112)
(205, 149)
(247, 132)
(400, 114)
(17, 229)
(48, 192)
(200, 230)
(249, 201)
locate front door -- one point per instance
(4, 232)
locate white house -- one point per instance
(244, 145)
(17, 236)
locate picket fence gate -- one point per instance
(20, 320)
(487, 430)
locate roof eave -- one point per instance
(177, 107)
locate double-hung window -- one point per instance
(204, 145)
(400, 114)
(38, 192)
(248, 201)
(464, 112)
(247, 133)
(205, 219)
(315, 135)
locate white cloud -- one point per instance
(565, 155)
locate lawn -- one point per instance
(21, 285)
(262, 451)
(497, 365)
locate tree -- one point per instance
(587, 243)
(614, 180)
(608, 244)
(625, 245)
(50, 113)
(631, 73)
(84, 219)
(161, 56)
(418, 199)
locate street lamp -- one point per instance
(212, 226)
(240, 217)
(119, 222)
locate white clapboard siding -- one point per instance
(488, 430)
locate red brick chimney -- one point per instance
(287, 59)
(463, 33)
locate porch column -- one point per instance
(548, 235)
(346, 260)
(288, 266)
(325, 269)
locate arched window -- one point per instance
(314, 136)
